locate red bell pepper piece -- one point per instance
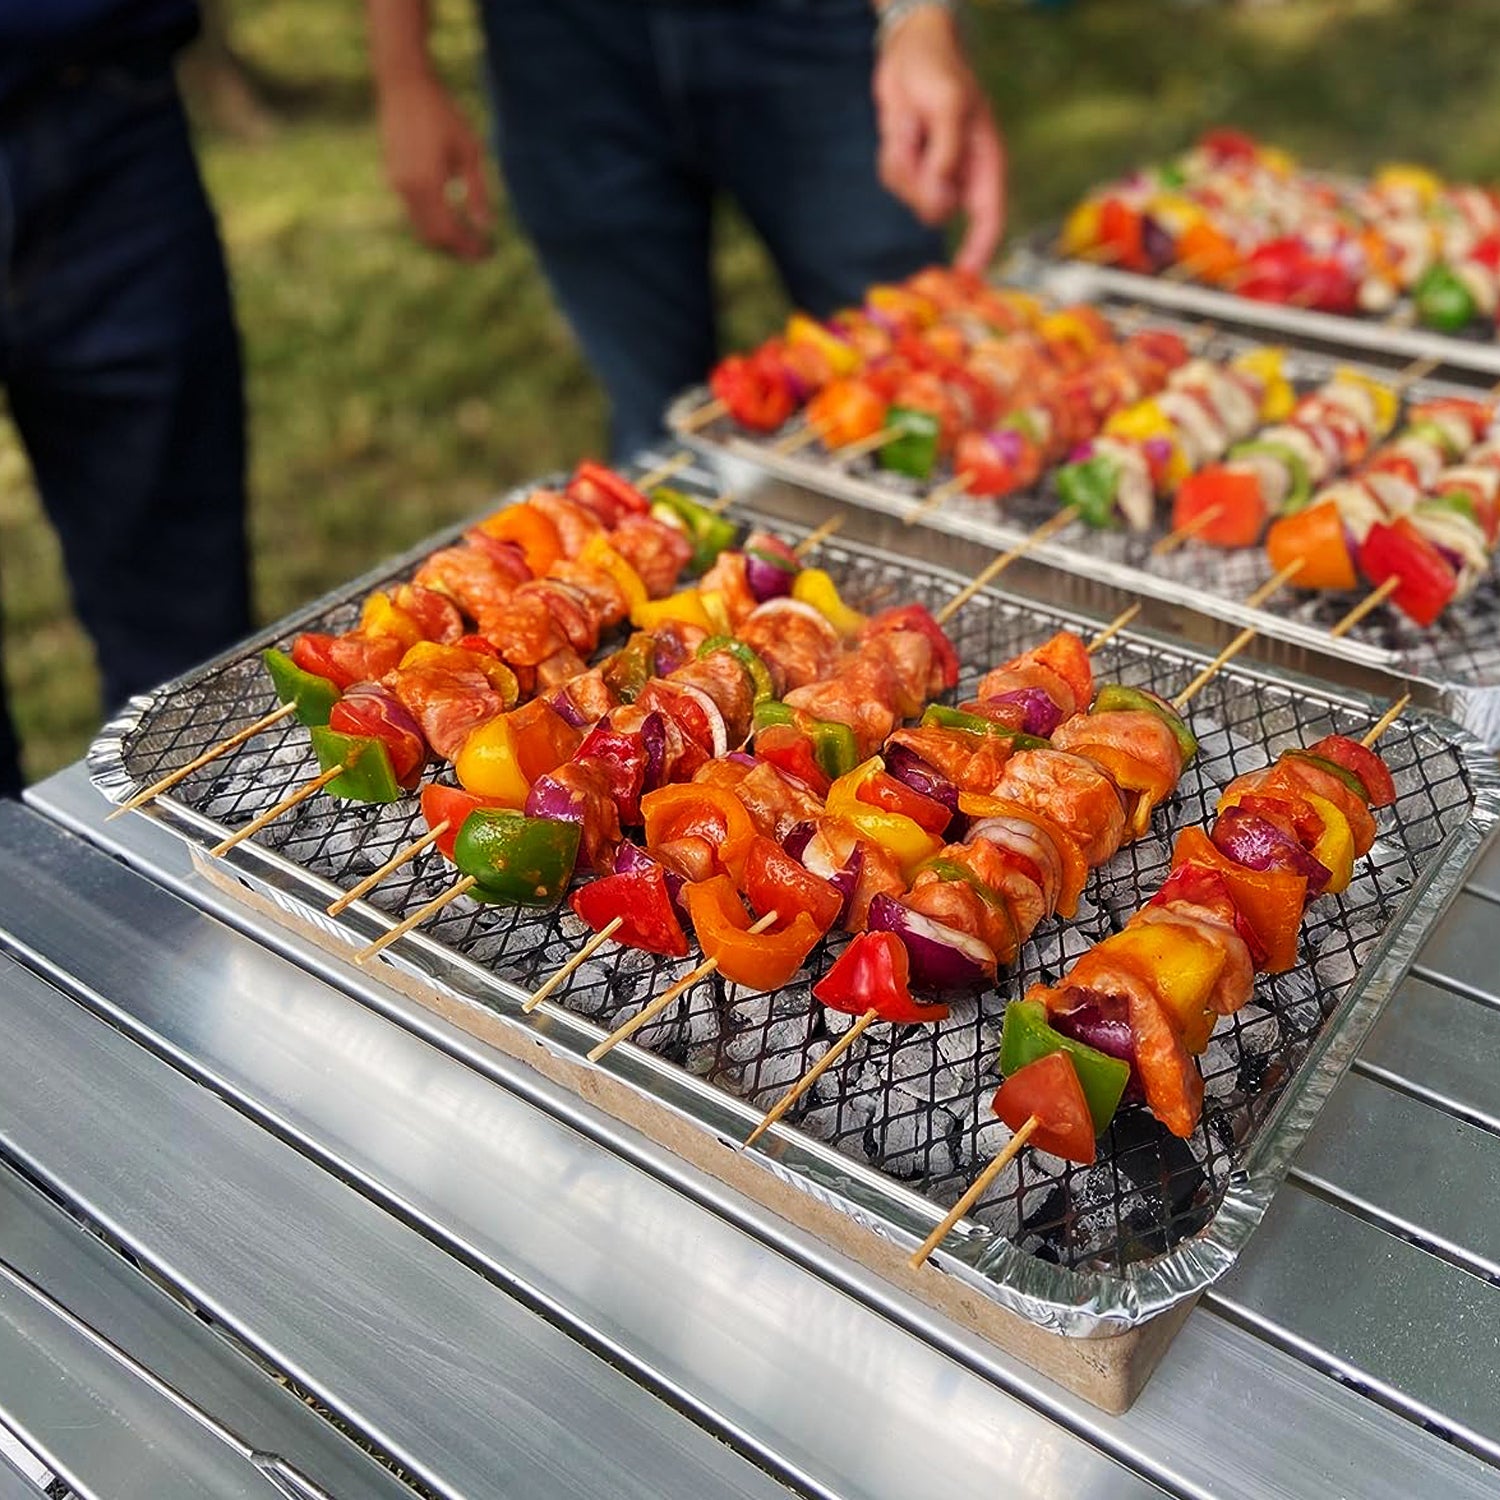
(774, 881)
(1048, 1091)
(369, 709)
(592, 481)
(621, 758)
(874, 973)
(640, 898)
(790, 750)
(453, 805)
(1399, 550)
(754, 389)
(882, 790)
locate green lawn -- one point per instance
(392, 391)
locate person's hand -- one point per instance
(435, 161)
(940, 149)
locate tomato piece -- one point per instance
(1379, 785)
(874, 973)
(640, 898)
(774, 881)
(883, 791)
(754, 389)
(1316, 536)
(1049, 1092)
(1399, 550)
(1233, 495)
(763, 960)
(451, 805)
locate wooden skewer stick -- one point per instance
(1415, 371)
(1174, 539)
(1373, 600)
(848, 452)
(710, 411)
(719, 506)
(664, 470)
(797, 440)
(958, 485)
(458, 888)
(286, 804)
(815, 539)
(399, 858)
(1004, 560)
(1240, 641)
(1115, 626)
(1011, 1150)
(589, 949)
(213, 752)
(813, 1074)
(1386, 719)
(663, 1000)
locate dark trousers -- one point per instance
(121, 366)
(618, 121)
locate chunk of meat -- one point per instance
(1073, 791)
(727, 579)
(585, 800)
(862, 695)
(575, 525)
(1136, 748)
(908, 654)
(468, 577)
(725, 681)
(656, 551)
(797, 649)
(449, 703)
(774, 804)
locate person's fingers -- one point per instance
(900, 149)
(983, 196)
(477, 202)
(943, 119)
(436, 220)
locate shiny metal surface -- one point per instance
(509, 1405)
(101, 1288)
(1187, 1432)
(14, 1485)
(1462, 951)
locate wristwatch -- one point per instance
(894, 12)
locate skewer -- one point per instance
(1008, 1153)
(815, 539)
(813, 1074)
(710, 411)
(1004, 560)
(286, 804)
(945, 491)
(276, 715)
(399, 858)
(664, 470)
(1115, 626)
(861, 446)
(458, 888)
(1386, 719)
(1240, 641)
(1372, 600)
(719, 506)
(1174, 539)
(589, 949)
(663, 1000)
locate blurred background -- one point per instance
(392, 391)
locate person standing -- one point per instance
(118, 352)
(846, 132)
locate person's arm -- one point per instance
(433, 156)
(940, 149)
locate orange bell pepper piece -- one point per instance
(1316, 536)
(542, 738)
(531, 530)
(761, 961)
(694, 809)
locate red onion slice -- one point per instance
(1259, 844)
(942, 958)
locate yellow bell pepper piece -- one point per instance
(1274, 159)
(1268, 365)
(1080, 231)
(904, 837)
(1184, 966)
(1387, 402)
(1147, 420)
(380, 617)
(901, 305)
(842, 356)
(597, 553)
(487, 765)
(686, 607)
(1175, 213)
(1403, 176)
(455, 658)
(813, 586)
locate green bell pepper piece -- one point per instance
(313, 695)
(1434, 433)
(1301, 488)
(940, 716)
(367, 777)
(631, 667)
(833, 744)
(1443, 301)
(1456, 501)
(1090, 485)
(516, 860)
(914, 449)
(1345, 775)
(1026, 1036)
(757, 671)
(709, 532)
(1115, 697)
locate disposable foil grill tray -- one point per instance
(896, 1130)
(1459, 657)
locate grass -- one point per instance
(391, 391)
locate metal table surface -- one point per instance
(292, 1215)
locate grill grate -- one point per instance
(913, 1104)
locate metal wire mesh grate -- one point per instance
(913, 1102)
(1462, 648)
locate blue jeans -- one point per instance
(121, 365)
(618, 121)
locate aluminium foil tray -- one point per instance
(1458, 658)
(890, 1137)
